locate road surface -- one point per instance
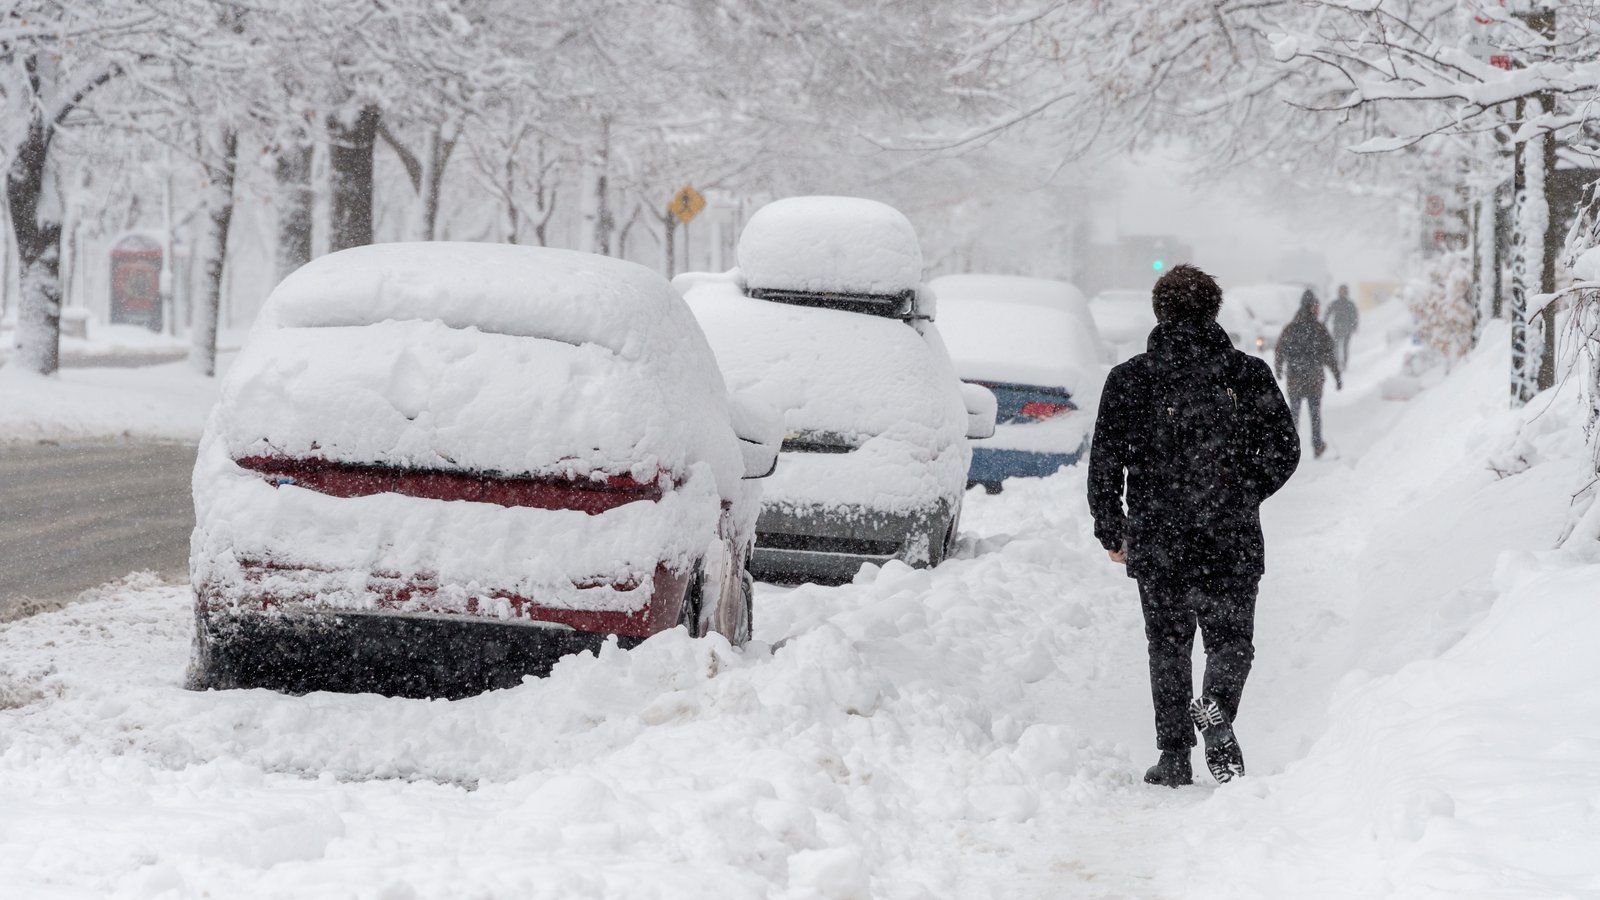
(73, 516)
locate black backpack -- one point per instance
(1201, 426)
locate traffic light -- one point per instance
(1158, 264)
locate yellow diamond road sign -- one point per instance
(686, 204)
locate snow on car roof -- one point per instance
(830, 244)
(1123, 317)
(471, 357)
(1018, 343)
(562, 295)
(1271, 303)
(836, 372)
(1011, 289)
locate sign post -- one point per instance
(684, 206)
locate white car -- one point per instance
(436, 467)
(825, 318)
(1125, 320)
(1256, 313)
(1033, 343)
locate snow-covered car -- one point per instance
(1256, 313)
(825, 318)
(1125, 320)
(1032, 342)
(436, 467)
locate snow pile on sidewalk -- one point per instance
(1461, 755)
(904, 737)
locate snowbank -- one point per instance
(165, 402)
(830, 244)
(1461, 741)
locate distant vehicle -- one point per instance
(436, 467)
(1033, 343)
(1258, 312)
(825, 317)
(1125, 320)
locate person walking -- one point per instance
(1343, 319)
(1305, 348)
(1198, 435)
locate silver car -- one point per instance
(874, 463)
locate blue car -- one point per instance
(1033, 343)
(1023, 405)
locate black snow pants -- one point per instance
(1224, 610)
(1315, 402)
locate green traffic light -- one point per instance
(1158, 265)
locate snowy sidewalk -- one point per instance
(975, 731)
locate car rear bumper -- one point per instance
(404, 656)
(832, 544)
(990, 466)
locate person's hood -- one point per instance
(1188, 340)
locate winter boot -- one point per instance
(1172, 770)
(1223, 756)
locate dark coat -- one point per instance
(1305, 348)
(1343, 317)
(1165, 535)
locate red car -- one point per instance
(435, 468)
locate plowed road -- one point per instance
(73, 516)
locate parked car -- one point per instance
(825, 317)
(1258, 312)
(1125, 320)
(436, 467)
(1033, 343)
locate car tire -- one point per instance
(947, 543)
(747, 592)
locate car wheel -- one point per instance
(747, 592)
(946, 544)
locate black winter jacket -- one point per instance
(1175, 524)
(1306, 348)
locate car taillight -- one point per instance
(1042, 410)
(341, 479)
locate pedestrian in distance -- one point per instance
(1342, 320)
(1197, 434)
(1305, 348)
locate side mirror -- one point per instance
(981, 408)
(759, 427)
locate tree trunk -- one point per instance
(213, 247)
(1551, 247)
(350, 165)
(604, 222)
(1488, 250)
(433, 184)
(36, 223)
(669, 246)
(296, 207)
